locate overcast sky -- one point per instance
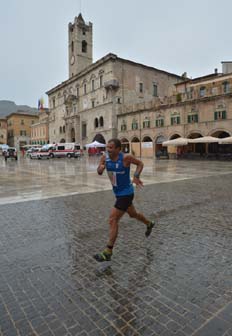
(176, 36)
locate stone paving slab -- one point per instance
(177, 282)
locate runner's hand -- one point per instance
(101, 168)
(138, 182)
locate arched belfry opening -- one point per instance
(84, 46)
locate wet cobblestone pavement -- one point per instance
(177, 282)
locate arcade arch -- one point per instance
(220, 134)
(136, 146)
(100, 138)
(147, 146)
(125, 145)
(175, 136)
(220, 149)
(194, 135)
(158, 143)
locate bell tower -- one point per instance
(80, 45)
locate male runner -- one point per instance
(117, 165)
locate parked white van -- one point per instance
(67, 149)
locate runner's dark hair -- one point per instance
(116, 142)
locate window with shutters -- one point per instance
(219, 115)
(146, 123)
(189, 93)
(192, 118)
(155, 90)
(101, 80)
(175, 120)
(123, 126)
(202, 91)
(134, 125)
(226, 87)
(159, 122)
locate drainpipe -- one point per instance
(140, 136)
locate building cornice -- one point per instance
(100, 62)
(22, 114)
(173, 105)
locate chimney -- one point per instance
(216, 71)
(226, 67)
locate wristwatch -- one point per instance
(136, 175)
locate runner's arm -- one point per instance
(130, 159)
(101, 167)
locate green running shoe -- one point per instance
(149, 228)
(103, 256)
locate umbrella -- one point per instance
(176, 142)
(95, 144)
(227, 140)
(205, 139)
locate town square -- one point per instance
(115, 161)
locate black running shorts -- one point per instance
(123, 202)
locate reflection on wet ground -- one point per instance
(177, 282)
(33, 179)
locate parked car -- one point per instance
(10, 152)
(32, 149)
(41, 153)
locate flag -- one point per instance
(41, 104)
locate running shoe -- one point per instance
(103, 256)
(149, 228)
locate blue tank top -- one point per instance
(119, 176)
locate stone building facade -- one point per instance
(3, 131)
(87, 105)
(19, 128)
(199, 107)
(141, 105)
(40, 129)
